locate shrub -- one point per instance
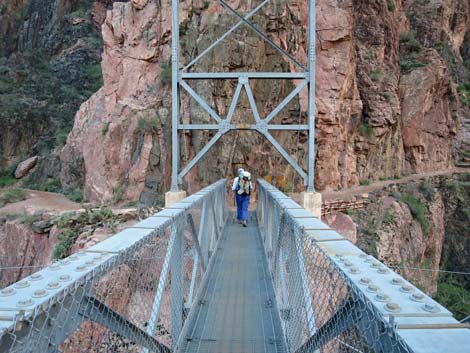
(364, 182)
(391, 5)
(427, 190)
(377, 75)
(366, 130)
(464, 91)
(6, 180)
(28, 219)
(409, 42)
(147, 124)
(418, 210)
(93, 72)
(105, 128)
(61, 137)
(389, 217)
(454, 297)
(76, 195)
(11, 195)
(166, 75)
(52, 185)
(409, 64)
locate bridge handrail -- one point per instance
(118, 285)
(332, 296)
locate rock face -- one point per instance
(343, 224)
(429, 122)
(23, 250)
(418, 226)
(386, 104)
(25, 166)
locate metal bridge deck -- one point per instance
(237, 313)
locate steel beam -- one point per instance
(286, 101)
(262, 35)
(251, 99)
(243, 127)
(226, 34)
(339, 322)
(199, 155)
(286, 155)
(192, 230)
(201, 101)
(249, 75)
(177, 287)
(234, 103)
(307, 297)
(100, 313)
(311, 94)
(175, 156)
(155, 313)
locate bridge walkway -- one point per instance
(237, 312)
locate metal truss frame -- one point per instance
(223, 125)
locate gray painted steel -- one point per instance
(237, 309)
(224, 125)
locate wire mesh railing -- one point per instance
(332, 297)
(129, 293)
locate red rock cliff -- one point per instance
(387, 103)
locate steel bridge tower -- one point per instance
(181, 76)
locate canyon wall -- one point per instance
(419, 228)
(387, 103)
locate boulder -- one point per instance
(25, 166)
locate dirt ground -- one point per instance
(41, 201)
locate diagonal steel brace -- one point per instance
(262, 35)
(103, 315)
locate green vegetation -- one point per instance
(105, 128)
(7, 177)
(426, 189)
(11, 195)
(71, 226)
(166, 75)
(391, 5)
(42, 89)
(83, 9)
(52, 185)
(147, 124)
(75, 195)
(366, 130)
(410, 49)
(28, 219)
(364, 182)
(94, 75)
(389, 217)
(418, 211)
(61, 137)
(6, 180)
(377, 75)
(464, 92)
(453, 296)
(118, 193)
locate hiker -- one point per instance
(242, 188)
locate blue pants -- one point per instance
(242, 207)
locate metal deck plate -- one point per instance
(238, 313)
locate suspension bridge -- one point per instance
(189, 279)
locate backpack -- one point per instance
(244, 184)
